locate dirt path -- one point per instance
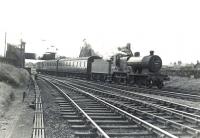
(17, 121)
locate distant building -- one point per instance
(48, 56)
(197, 66)
(16, 54)
(30, 56)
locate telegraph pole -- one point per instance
(22, 47)
(5, 45)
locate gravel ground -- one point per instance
(55, 125)
(24, 126)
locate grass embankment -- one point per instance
(10, 79)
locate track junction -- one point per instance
(109, 110)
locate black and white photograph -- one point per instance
(99, 69)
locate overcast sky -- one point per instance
(171, 28)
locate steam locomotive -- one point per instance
(120, 68)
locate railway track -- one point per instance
(178, 119)
(169, 104)
(91, 116)
(168, 92)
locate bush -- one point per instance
(13, 75)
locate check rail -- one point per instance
(38, 121)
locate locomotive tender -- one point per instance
(131, 69)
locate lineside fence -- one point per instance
(38, 122)
(192, 73)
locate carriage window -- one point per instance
(85, 63)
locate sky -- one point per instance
(171, 28)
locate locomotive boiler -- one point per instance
(151, 63)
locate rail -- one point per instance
(77, 107)
(38, 125)
(110, 94)
(148, 126)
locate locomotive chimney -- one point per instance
(151, 52)
(137, 54)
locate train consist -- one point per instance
(121, 68)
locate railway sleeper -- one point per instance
(67, 110)
(94, 108)
(143, 134)
(120, 127)
(85, 134)
(60, 101)
(94, 111)
(126, 131)
(75, 117)
(92, 104)
(119, 122)
(65, 106)
(76, 121)
(106, 117)
(79, 127)
(102, 113)
(67, 113)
